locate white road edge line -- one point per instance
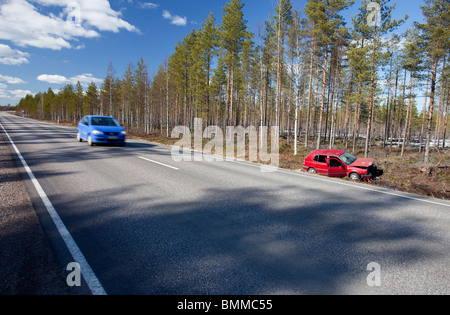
(87, 272)
(172, 167)
(329, 180)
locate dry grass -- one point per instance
(409, 173)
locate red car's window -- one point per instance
(335, 163)
(320, 158)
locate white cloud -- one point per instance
(85, 79)
(99, 14)
(167, 15)
(14, 95)
(174, 19)
(148, 5)
(19, 93)
(53, 78)
(11, 94)
(9, 56)
(11, 80)
(24, 23)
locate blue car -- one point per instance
(101, 130)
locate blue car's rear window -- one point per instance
(104, 121)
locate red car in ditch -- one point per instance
(338, 163)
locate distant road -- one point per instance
(146, 224)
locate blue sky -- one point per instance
(41, 48)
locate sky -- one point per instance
(51, 43)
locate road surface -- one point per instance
(144, 224)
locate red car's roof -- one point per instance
(328, 152)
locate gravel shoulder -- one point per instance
(28, 264)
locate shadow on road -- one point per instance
(244, 241)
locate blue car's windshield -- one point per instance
(347, 158)
(104, 121)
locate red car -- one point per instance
(338, 163)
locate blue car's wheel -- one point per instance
(79, 137)
(90, 141)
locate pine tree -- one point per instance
(79, 101)
(91, 100)
(326, 13)
(141, 82)
(358, 55)
(436, 34)
(209, 44)
(68, 97)
(127, 93)
(283, 19)
(233, 33)
(217, 88)
(313, 9)
(108, 89)
(246, 78)
(268, 68)
(413, 63)
(381, 27)
(48, 104)
(180, 69)
(294, 34)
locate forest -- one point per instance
(323, 80)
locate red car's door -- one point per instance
(320, 164)
(336, 168)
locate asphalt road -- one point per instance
(146, 224)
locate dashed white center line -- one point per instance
(159, 163)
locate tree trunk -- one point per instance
(227, 105)
(297, 96)
(438, 123)
(408, 113)
(324, 82)
(356, 120)
(308, 115)
(347, 112)
(290, 100)
(446, 118)
(335, 108)
(167, 105)
(388, 110)
(424, 111)
(372, 96)
(394, 114)
(430, 111)
(232, 97)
